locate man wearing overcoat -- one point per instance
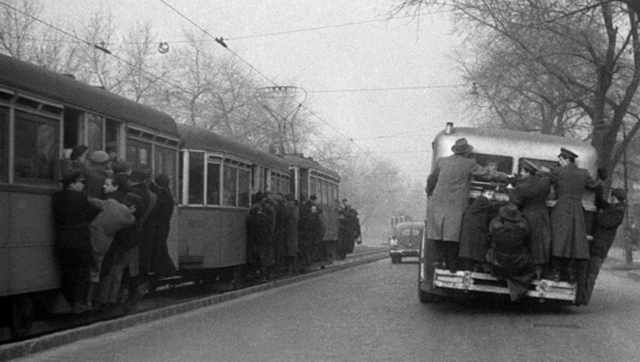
(530, 194)
(447, 198)
(568, 228)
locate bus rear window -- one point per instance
(503, 163)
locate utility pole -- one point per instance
(628, 248)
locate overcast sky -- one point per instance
(338, 51)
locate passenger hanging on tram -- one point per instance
(159, 225)
(72, 214)
(96, 172)
(114, 217)
(530, 194)
(569, 244)
(77, 159)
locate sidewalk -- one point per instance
(617, 260)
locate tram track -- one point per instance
(64, 329)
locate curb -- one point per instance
(40, 344)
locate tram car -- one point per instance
(309, 178)
(217, 178)
(43, 113)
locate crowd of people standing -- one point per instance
(112, 224)
(285, 236)
(521, 239)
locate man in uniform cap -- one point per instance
(569, 244)
(565, 153)
(448, 192)
(530, 194)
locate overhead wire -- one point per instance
(221, 42)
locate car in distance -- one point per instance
(406, 240)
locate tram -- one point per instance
(43, 114)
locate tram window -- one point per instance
(196, 178)
(229, 185)
(325, 193)
(36, 154)
(213, 183)
(139, 154)
(95, 137)
(284, 187)
(165, 163)
(72, 119)
(505, 164)
(312, 186)
(244, 188)
(4, 142)
(112, 136)
(546, 163)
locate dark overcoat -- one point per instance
(475, 229)
(291, 229)
(159, 225)
(606, 225)
(530, 194)
(568, 228)
(448, 194)
(72, 214)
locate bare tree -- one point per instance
(17, 27)
(590, 49)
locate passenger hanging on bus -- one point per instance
(72, 213)
(509, 253)
(569, 244)
(447, 198)
(474, 235)
(530, 194)
(609, 216)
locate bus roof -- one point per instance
(516, 144)
(196, 138)
(37, 80)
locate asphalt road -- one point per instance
(372, 313)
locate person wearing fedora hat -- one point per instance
(447, 198)
(509, 250)
(461, 146)
(72, 213)
(609, 217)
(530, 194)
(569, 242)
